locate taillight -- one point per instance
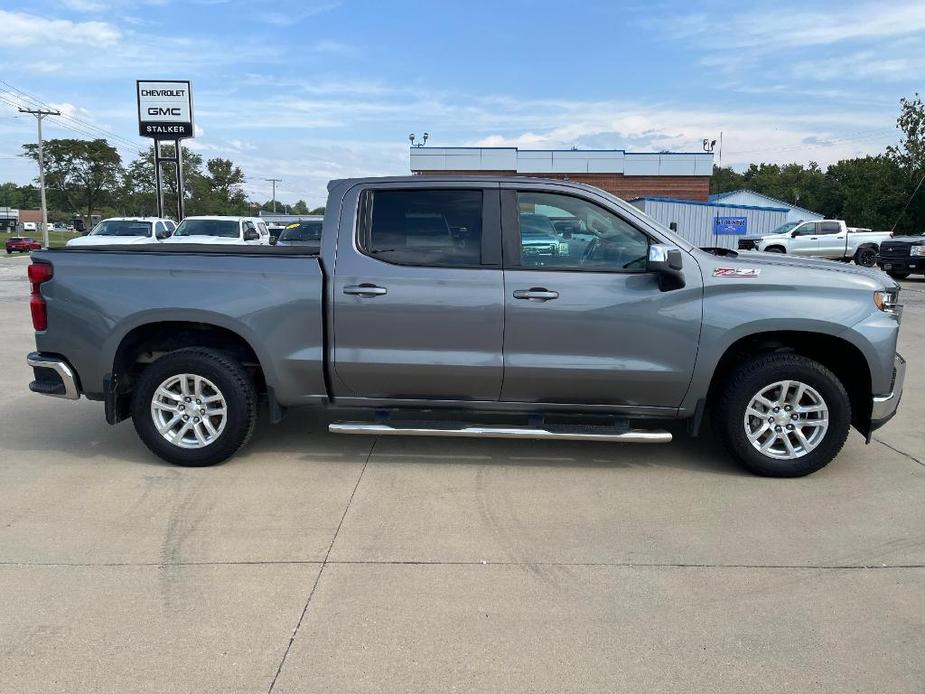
(39, 273)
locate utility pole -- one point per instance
(39, 115)
(274, 181)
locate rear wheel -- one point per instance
(194, 407)
(865, 256)
(898, 275)
(782, 415)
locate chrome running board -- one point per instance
(487, 432)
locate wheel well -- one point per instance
(845, 360)
(144, 344)
(775, 245)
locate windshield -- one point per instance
(303, 231)
(225, 228)
(784, 228)
(121, 227)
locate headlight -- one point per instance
(887, 300)
(917, 251)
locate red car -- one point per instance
(21, 244)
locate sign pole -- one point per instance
(179, 154)
(158, 182)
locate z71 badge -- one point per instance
(736, 272)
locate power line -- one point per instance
(64, 124)
(862, 135)
(78, 121)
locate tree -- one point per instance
(20, 197)
(301, 207)
(909, 156)
(138, 184)
(318, 210)
(82, 173)
(223, 191)
(725, 179)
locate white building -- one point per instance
(744, 196)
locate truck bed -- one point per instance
(272, 297)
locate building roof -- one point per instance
(712, 204)
(719, 196)
(561, 161)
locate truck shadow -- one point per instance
(77, 432)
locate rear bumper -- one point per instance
(884, 406)
(53, 376)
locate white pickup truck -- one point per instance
(824, 238)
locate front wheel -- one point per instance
(782, 415)
(194, 407)
(774, 249)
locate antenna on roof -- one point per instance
(421, 143)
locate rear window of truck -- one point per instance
(435, 228)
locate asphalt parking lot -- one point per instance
(318, 563)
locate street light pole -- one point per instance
(39, 115)
(274, 181)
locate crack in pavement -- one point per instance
(324, 563)
(896, 450)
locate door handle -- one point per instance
(365, 290)
(813, 238)
(536, 294)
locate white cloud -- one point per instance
(779, 27)
(21, 29)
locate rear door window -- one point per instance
(829, 227)
(435, 228)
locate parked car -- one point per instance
(826, 238)
(304, 233)
(30, 226)
(21, 244)
(395, 319)
(222, 230)
(126, 231)
(903, 256)
(539, 237)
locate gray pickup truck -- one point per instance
(425, 310)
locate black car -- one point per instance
(301, 234)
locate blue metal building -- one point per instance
(712, 223)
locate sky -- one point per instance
(320, 89)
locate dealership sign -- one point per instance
(165, 109)
(730, 225)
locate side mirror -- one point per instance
(667, 262)
(251, 235)
(794, 234)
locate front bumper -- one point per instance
(53, 376)
(911, 264)
(884, 406)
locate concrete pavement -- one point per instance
(319, 563)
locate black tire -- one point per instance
(775, 249)
(898, 275)
(866, 256)
(231, 379)
(734, 396)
